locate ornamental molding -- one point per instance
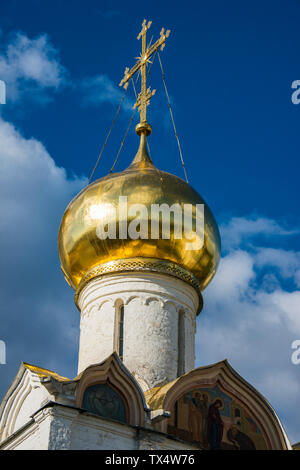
(141, 265)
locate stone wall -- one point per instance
(66, 428)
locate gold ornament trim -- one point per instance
(138, 265)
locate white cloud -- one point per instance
(278, 385)
(38, 319)
(297, 278)
(30, 65)
(31, 69)
(240, 229)
(101, 89)
(234, 276)
(288, 262)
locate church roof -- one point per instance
(31, 389)
(155, 396)
(41, 372)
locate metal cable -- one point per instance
(122, 143)
(134, 89)
(172, 118)
(107, 137)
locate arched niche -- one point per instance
(105, 381)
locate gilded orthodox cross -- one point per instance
(145, 95)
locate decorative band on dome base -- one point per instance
(141, 265)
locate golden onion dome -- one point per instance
(84, 255)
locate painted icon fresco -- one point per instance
(215, 421)
(104, 401)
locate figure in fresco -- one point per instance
(215, 425)
(198, 411)
(239, 439)
(204, 405)
(215, 420)
(196, 417)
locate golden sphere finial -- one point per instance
(143, 128)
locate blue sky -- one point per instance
(229, 69)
